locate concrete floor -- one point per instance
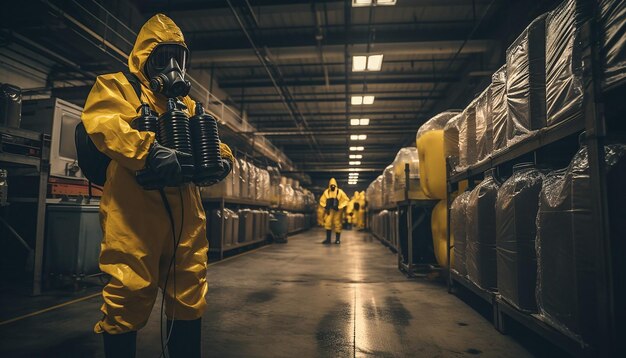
(302, 299)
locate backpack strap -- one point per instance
(134, 81)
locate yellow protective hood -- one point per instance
(157, 30)
(332, 181)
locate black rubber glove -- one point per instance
(164, 164)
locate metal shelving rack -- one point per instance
(28, 160)
(609, 261)
(222, 203)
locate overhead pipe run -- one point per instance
(265, 148)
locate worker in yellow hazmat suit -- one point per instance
(352, 210)
(359, 209)
(334, 201)
(138, 245)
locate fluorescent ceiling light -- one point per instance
(375, 62)
(356, 156)
(359, 63)
(357, 149)
(362, 3)
(358, 100)
(359, 121)
(353, 174)
(355, 162)
(356, 3)
(370, 63)
(358, 136)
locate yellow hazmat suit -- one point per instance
(332, 218)
(138, 244)
(360, 214)
(352, 209)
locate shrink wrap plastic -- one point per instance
(516, 211)
(565, 243)
(451, 142)
(405, 156)
(387, 187)
(499, 108)
(481, 233)
(432, 161)
(526, 82)
(467, 137)
(458, 230)
(244, 178)
(484, 125)
(564, 69)
(613, 24)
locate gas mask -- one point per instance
(165, 69)
(333, 187)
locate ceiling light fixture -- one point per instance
(356, 156)
(359, 121)
(363, 3)
(359, 100)
(369, 63)
(355, 162)
(357, 149)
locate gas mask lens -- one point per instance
(160, 58)
(167, 75)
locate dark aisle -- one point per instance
(302, 299)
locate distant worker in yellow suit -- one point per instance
(361, 214)
(334, 201)
(353, 210)
(138, 246)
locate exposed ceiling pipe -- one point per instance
(285, 93)
(335, 52)
(269, 151)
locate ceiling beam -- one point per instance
(336, 53)
(316, 82)
(341, 100)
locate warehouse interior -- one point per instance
(323, 178)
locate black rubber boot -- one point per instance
(328, 233)
(337, 238)
(121, 345)
(185, 338)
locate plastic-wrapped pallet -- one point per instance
(564, 84)
(244, 177)
(246, 225)
(484, 126)
(430, 148)
(526, 82)
(566, 241)
(236, 179)
(387, 184)
(481, 233)
(252, 180)
(405, 156)
(516, 213)
(612, 15)
(451, 142)
(499, 108)
(458, 231)
(234, 236)
(467, 136)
